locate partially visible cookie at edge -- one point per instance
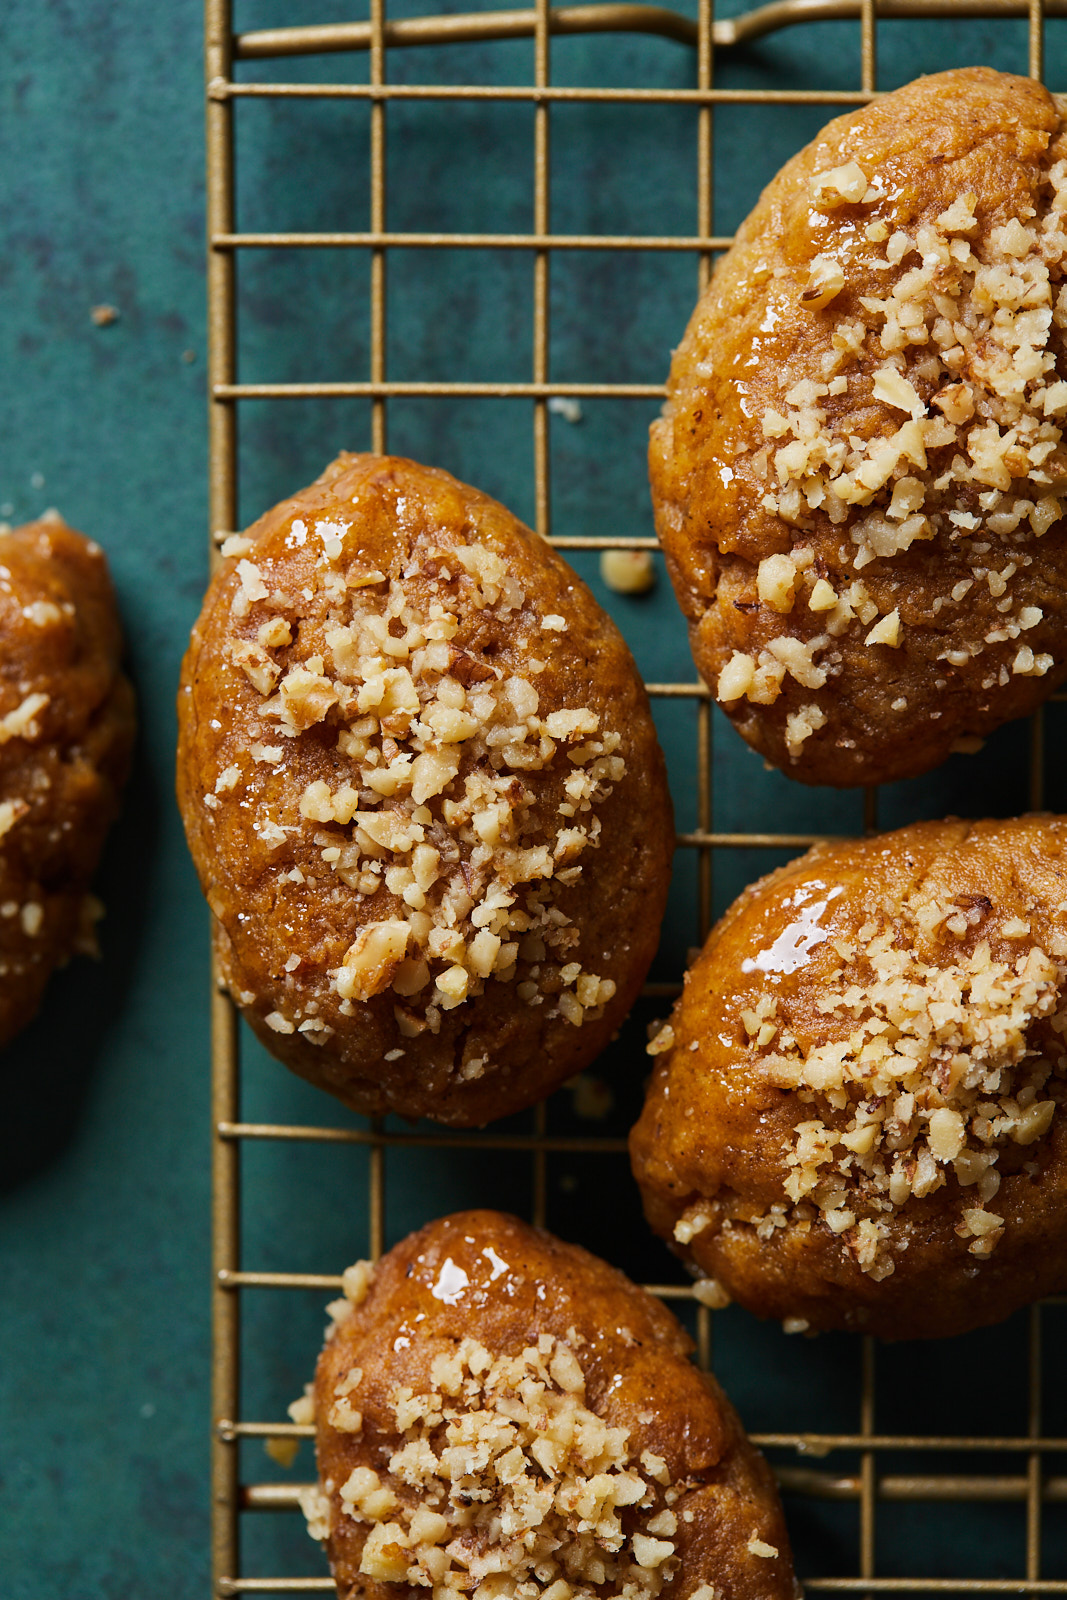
(858, 1117)
(503, 1414)
(66, 731)
(859, 474)
(423, 791)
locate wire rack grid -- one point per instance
(1026, 1460)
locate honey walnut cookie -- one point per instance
(423, 791)
(857, 1117)
(66, 729)
(503, 1415)
(859, 474)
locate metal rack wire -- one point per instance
(868, 1484)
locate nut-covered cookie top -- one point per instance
(66, 729)
(501, 1413)
(426, 720)
(860, 468)
(868, 1068)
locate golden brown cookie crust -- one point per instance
(857, 1117)
(859, 472)
(424, 794)
(562, 1387)
(66, 729)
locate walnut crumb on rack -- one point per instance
(628, 571)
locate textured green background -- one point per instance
(104, 1133)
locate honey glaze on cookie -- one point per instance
(424, 764)
(857, 1118)
(66, 733)
(501, 1414)
(875, 451)
(450, 849)
(557, 1468)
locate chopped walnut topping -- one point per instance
(1027, 665)
(662, 1040)
(932, 1064)
(356, 1281)
(896, 391)
(373, 961)
(302, 1409)
(508, 1483)
(11, 811)
(710, 1292)
(839, 186)
(800, 725)
(628, 571)
(235, 544)
(959, 351)
(227, 780)
(42, 613)
(825, 281)
(316, 1508)
(822, 596)
(432, 808)
(252, 588)
(274, 633)
(22, 722)
(692, 1222)
(736, 677)
(776, 582)
(886, 631)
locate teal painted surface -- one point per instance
(103, 1154)
(104, 1135)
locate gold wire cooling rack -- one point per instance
(871, 1483)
